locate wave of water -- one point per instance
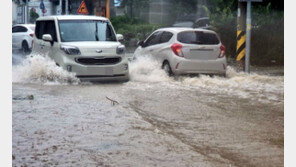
(147, 70)
(41, 69)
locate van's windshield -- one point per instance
(85, 30)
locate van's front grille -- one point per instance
(98, 60)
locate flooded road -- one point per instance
(155, 121)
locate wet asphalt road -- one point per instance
(157, 121)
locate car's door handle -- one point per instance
(151, 50)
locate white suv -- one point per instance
(185, 51)
(85, 45)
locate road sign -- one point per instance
(82, 8)
(42, 5)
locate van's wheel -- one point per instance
(25, 48)
(167, 68)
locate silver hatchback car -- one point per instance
(185, 51)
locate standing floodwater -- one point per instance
(158, 120)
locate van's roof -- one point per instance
(73, 17)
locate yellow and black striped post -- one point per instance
(241, 35)
(241, 44)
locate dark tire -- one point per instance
(167, 68)
(25, 48)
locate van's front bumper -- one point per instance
(106, 72)
(96, 78)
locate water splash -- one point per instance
(146, 69)
(41, 69)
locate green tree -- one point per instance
(184, 7)
(134, 4)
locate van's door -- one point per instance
(43, 47)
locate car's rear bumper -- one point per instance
(186, 66)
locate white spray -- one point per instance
(41, 69)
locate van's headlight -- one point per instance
(120, 49)
(70, 50)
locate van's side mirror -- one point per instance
(47, 38)
(140, 43)
(119, 37)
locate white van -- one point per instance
(84, 45)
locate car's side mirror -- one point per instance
(119, 37)
(140, 43)
(47, 38)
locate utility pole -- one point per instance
(67, 7)
(241, 35)
(108, 9)
(248, 37)
(26, 12)
(248, 34)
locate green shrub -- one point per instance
(267, 36)
(132, 28)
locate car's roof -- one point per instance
(72, 17)
(180, 29)
(25, 25)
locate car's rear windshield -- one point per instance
(86, 30)
(198, 37)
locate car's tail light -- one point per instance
(177, 49)
(222, 51)
(32, 35)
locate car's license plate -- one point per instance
(108, 71)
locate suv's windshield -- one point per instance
(85, 30)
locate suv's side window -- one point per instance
(46, 27)
(165, 37)
(153, 39)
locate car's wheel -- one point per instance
(167, 68)
(25, 48)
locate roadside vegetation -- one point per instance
(132, 29)
(267, 46)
